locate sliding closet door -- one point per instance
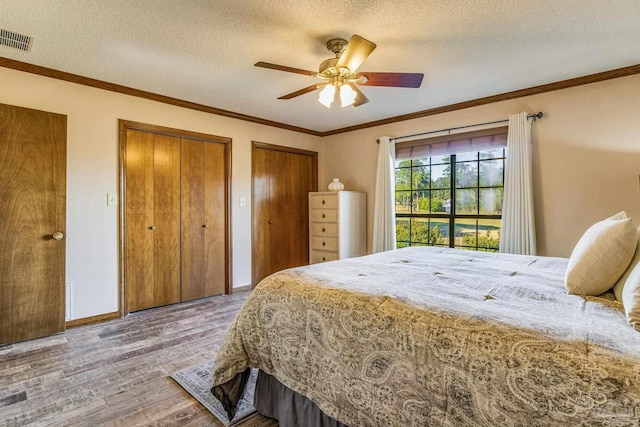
(33, 164)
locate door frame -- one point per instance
(314, 184)
(125, 125)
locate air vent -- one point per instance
(15, 40)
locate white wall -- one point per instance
(92, 172)
(586, 155)
(586, 164)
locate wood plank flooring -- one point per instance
(117, 373)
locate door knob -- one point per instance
(153, 227)
(57, 236)
(205, 225)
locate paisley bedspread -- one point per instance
(440, 337)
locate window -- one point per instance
(452, 200)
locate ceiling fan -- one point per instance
(340, 75)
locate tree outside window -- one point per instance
(453, 201)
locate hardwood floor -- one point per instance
(117, 373)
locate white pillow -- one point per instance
(617, 289)
(601, 256)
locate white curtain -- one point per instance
(384, 221)
(518, 235)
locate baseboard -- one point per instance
(93, 319)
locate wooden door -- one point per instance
(139, 220)
(166, 220)
(282, 179)
(261, 214)
(176, 215)
(193, 221)
(32, 208)
(152, 218)
(204, 237)
(215, 236)
(299, 184)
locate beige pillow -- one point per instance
(601, 256)
(617, 289)
(631, 297)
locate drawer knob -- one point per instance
(324, 243)
(323, 202)
(323, 230)
(324, 258)
(270, 222)
(324, 216)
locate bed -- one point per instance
(428, 336)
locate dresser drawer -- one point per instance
(324, 215)
(324, 243)
(323, 201)
(322, 256)
(324, 229)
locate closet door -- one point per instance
(203, 219)
(166, 219)
(299, 184)
(193, 219)
(215, 236)
(176, 215)
(267, 166)
(279, 208)
(152, 216)
(139, 220)
(282, 180)
(32, 223)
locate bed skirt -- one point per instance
(275, 400)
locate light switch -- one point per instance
(243, 201)
(112, 199)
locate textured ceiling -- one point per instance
(204, 50)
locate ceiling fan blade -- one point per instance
(360, 98)
(285, 68)
(303, 91)
(413, 80)
(357, 50)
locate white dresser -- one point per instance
(337, 225)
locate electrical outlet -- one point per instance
(243, 201)
(112, 199)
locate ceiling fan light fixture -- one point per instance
(347, 95)
(341, 71)
(326, 95)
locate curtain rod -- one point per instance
(536, 116)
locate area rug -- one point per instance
(197, 379)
